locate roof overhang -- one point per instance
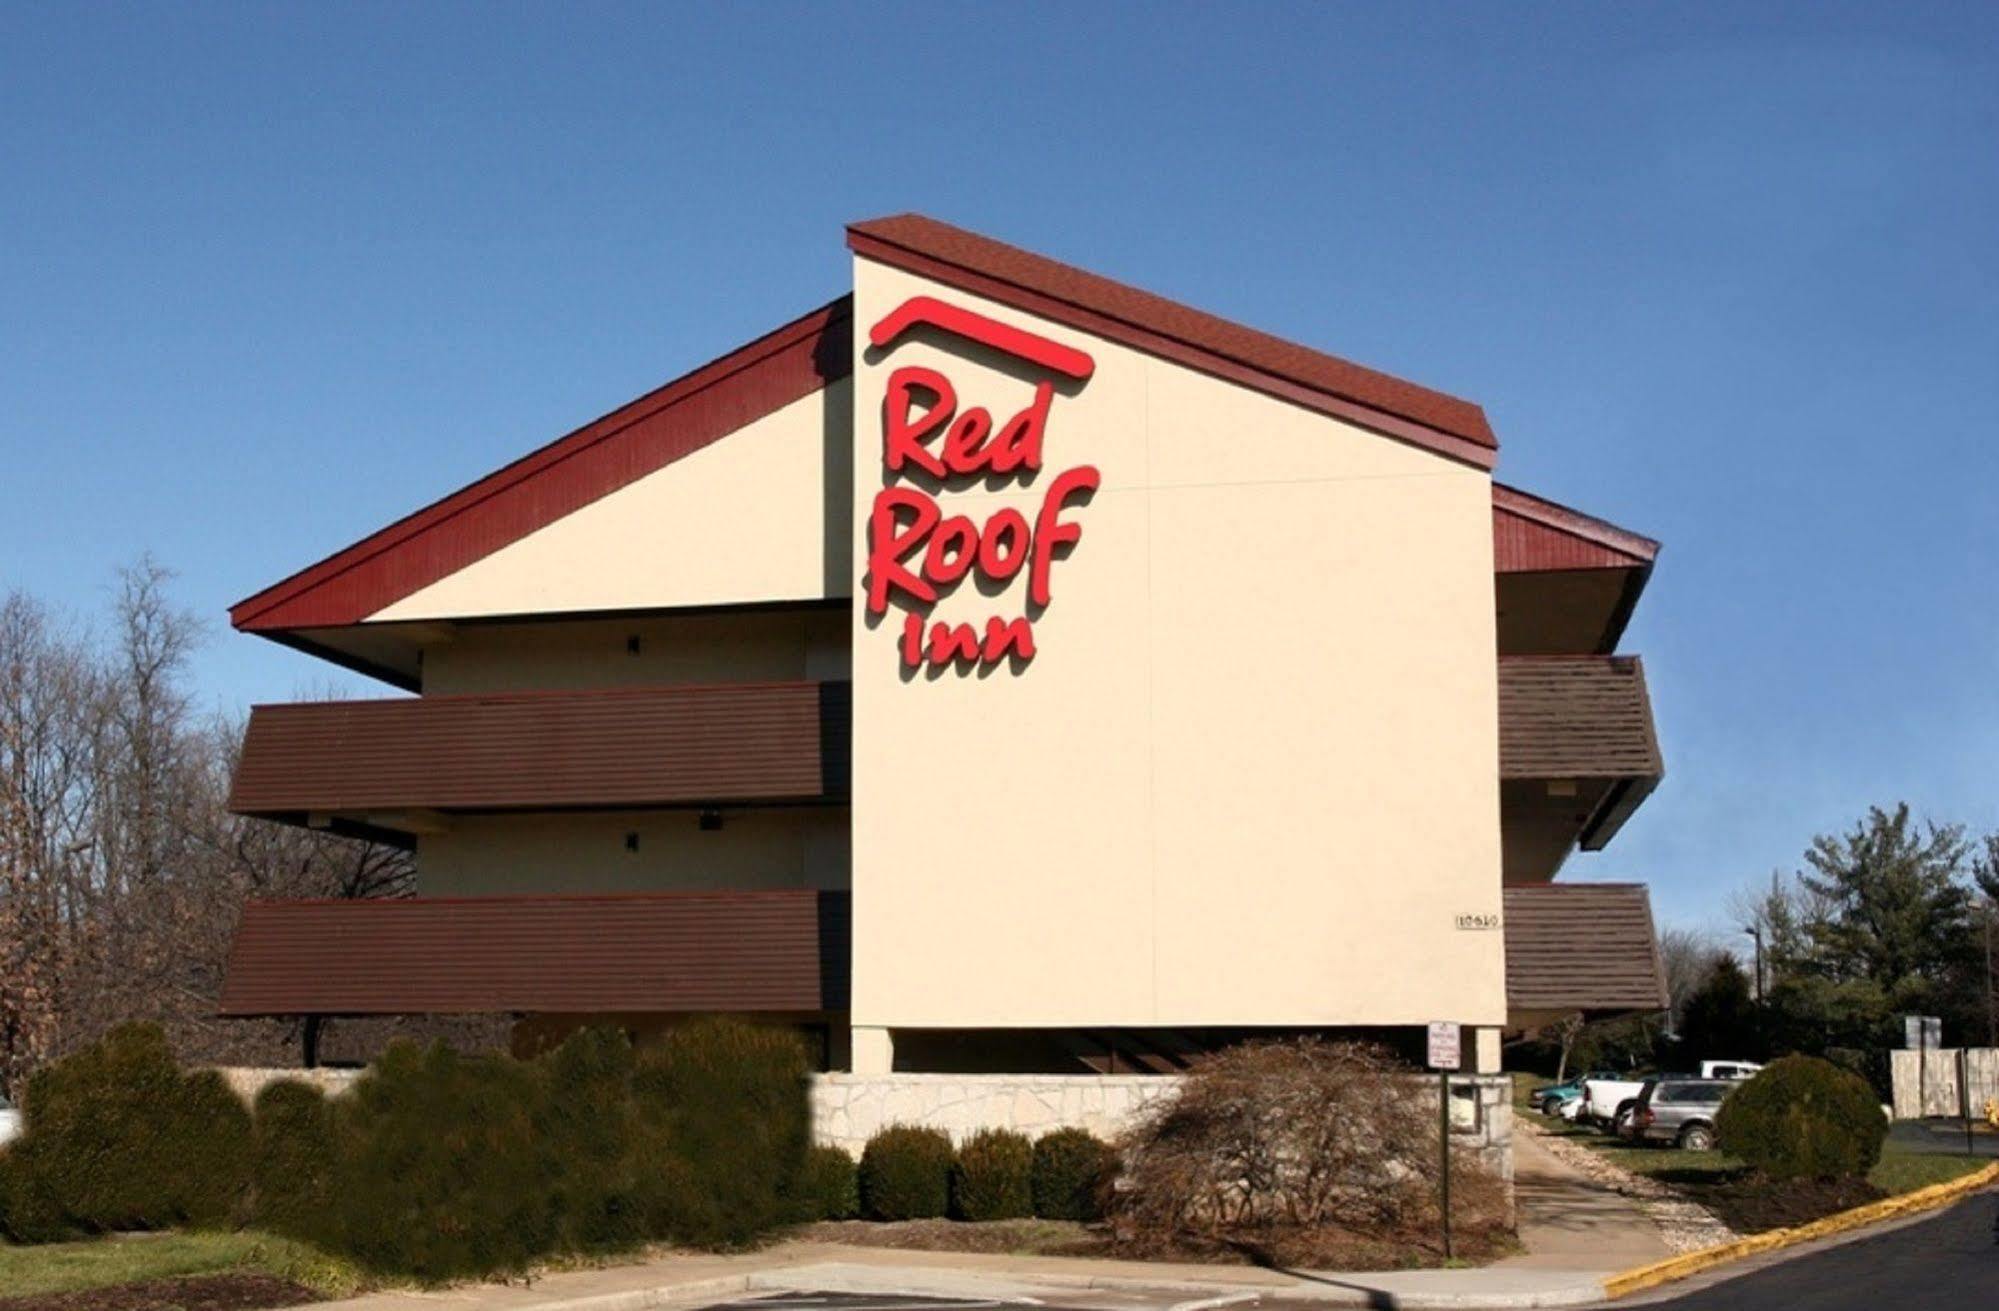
(1064, 294)
(1585, 949)
(1567, 582)
(409, 764)
(1578, 753)
(786, 952)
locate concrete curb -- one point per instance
(1673, 1268)
(1530, 1290)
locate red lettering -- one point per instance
(962, 453)
(1018, 445)
(1003, 546)
(1015, 636)
(902, 438)
(888, 547)
(948, 643)
(912, 639)
(958, 534)
(1049, 529)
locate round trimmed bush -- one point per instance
(906, 1174)
(829, 1188)
(989, 1180)
(292, 1156)
(118, 1138)
(208, 1128)
(1804, 1118)
(1068, 1175)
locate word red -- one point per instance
(915, 550)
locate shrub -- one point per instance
(441, 1173)
(292, 1159)
(1281, 1147)
(990, 1178)
(1070, 1171)
(207, 1128)
(829, 1187)
(118, 1138)
(28, 1212)
(731, 1103)
(906, 1174)
(589, 1124)
(1804, 1118)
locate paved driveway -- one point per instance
(1949, 1262)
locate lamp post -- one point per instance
(1755, 931)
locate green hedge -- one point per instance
(989, 1179)
(906, 1174)
(118, 1138)
(1070, 1171)
(830, 1187)
(435, 1165)
(1804, 1118)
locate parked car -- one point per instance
(1548, 1100)
(1610, 1101)
(1680, 1112)
(10, 1122)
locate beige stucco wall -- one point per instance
(755, 646)
(1251, 776)
(768, 847)
(761, 515)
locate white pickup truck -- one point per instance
(1609, 1101)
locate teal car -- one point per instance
(1550, 1098)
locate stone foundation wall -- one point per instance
(247, 1081)
(847, 1109)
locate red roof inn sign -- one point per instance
(930, 447)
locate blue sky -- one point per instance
(271, 276)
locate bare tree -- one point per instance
(122, 872)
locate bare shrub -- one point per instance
(1285, 1150)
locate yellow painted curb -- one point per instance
(1692, 1263)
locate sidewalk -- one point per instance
(1568, 1221)
(692, 1279)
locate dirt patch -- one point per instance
(1750, 1204)
(989, 1237)
(233, 1292)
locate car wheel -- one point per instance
(1551, 1106)
(1697, 1138)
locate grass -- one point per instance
(1904, 1171)
(1898, 1171)
(138, 1258)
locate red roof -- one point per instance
(1065, 294)
(786, 951)
(803, 356)
(534, 491)
(1530, 534)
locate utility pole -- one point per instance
(1991, 1013)
(1755, 931)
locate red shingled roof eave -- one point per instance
(1065, 294)
(637, 438)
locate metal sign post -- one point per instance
(1446, 1046)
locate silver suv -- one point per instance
(1680, 1111)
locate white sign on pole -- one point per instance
(1445, 1045)
(1922, 1032)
